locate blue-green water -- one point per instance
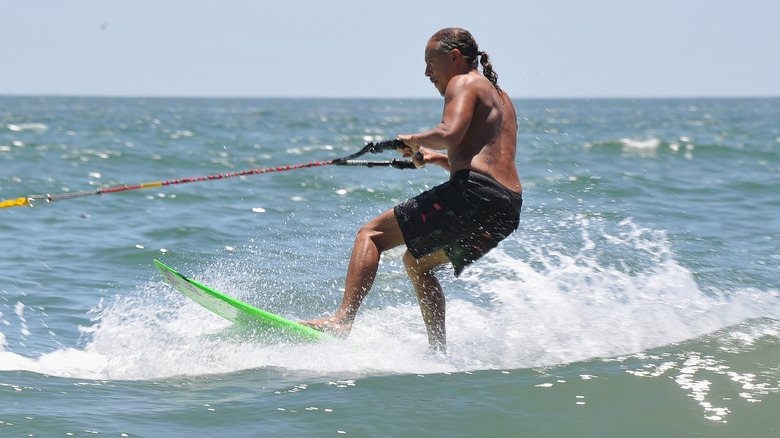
(640, 296)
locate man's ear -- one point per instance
(455, 54)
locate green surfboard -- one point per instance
(238, 312)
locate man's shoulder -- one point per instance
(475, 85)
(470, 80)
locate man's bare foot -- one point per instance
(331, 325)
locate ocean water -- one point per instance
(640, 296)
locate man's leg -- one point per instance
(430, 296)
(378, 235)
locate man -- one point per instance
(460, 220)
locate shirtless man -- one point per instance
(462, 219)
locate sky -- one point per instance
(367, 49)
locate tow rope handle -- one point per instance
(371, 147)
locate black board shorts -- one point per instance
(466, 216)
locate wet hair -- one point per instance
(452, 38)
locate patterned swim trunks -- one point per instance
(466, 216)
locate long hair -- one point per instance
(452, 38)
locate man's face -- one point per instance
(438, 66)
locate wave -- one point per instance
(31, 126)
(615, 289)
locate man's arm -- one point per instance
(429, 157)
(459, 103)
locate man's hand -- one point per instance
(412, 150)
(410, 146)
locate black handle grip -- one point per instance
(387, 145)
(403, 164)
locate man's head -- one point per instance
(449, 52)
(453, 51)
(455, 38)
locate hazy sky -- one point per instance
(365, 48)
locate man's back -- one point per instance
(490, 142)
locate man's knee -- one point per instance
(382, 231)
(365, 232)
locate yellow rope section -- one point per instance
(18, 202)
